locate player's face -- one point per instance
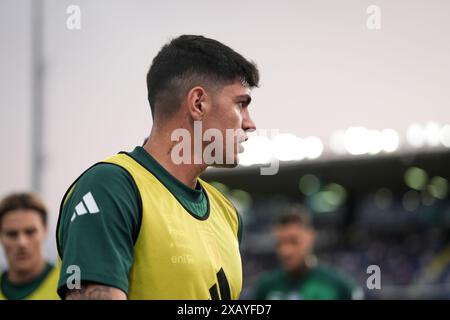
(294, 243)
(22, 234)
(230, 112)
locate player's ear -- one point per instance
(196, 103)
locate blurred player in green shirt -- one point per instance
(300, 277)
(23, 228)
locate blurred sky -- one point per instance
(321, 70)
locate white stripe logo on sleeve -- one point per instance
(86, 205)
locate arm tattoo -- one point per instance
(90, 292)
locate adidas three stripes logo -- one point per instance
(86, 205)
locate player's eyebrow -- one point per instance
(244, 97)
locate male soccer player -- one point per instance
(300, 276)
(142, 225)
(23, 228)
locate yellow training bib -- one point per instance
(46, 290)
(178, 255)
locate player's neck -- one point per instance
(18, 276)
(298, 272)
(160, 148)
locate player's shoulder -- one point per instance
(348, 287)
(106, 176)
(104, 172)
(105, 179)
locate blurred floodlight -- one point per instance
(375, 141)
(257, 150)
(415, 135)
(337, 142)
(432, 134)
(416, 178)
(300, 147)
(309, 184)
(438, 187)
(320, 202)
(287, 147)
(313, 147)
(390, 140)
(335, 194)
(444, 135)
(360, 140)
(355, 140)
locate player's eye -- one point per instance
(30, 232)
(242, 104)
(11, 234)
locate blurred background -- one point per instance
(358, 118)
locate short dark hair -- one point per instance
(24, 201)
(294, 214)
(191, 60)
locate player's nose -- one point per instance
(247, 122)
(22, 240)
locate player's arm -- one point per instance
(98, 227)
(93, 291)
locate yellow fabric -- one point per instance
(46, 290)
(176, 255)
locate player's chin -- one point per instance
(23, 266)
(228, 163)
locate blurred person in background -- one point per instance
(300, 276)
(23, 229)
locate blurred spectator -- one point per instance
(23, 228)
(300, 277)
